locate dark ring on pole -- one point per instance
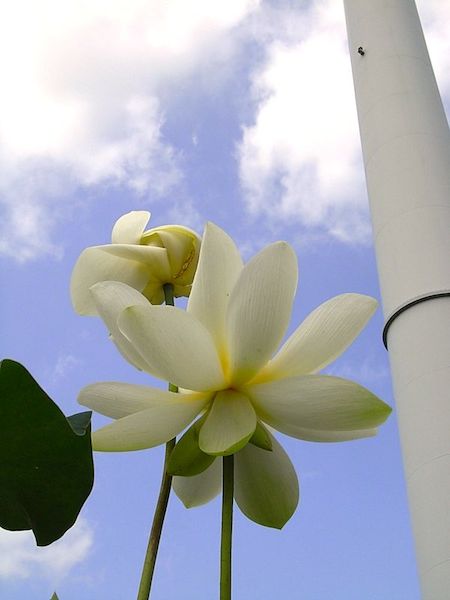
(405, 307)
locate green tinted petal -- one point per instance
(319, 402)
(199, 489)
(266, 485)
(186, 458)
(261, 437)
(229, 425)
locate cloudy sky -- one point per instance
(242, 113)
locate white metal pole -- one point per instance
(406, 148)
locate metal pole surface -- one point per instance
(406, 149)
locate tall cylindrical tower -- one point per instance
(406, 148)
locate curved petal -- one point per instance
(117, 400)
(111, 298)
(322, 336)
(260, 308)
(261, 437)
(154, 259)
(200, 489)
(265, 485)
(230, 423)
(176, 345)
(95, 264)
(317, 402)
(154, 291)
(317, 435)
(128, 229)
(186, 458)
(182, 245)
(218, 269)
(150, 427)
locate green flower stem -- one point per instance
(227, 527)
(163, 499)
(168, 294)
(155, 533)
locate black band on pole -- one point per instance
(402, 309)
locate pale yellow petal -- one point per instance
(230, 423)
(182, 245)
(117, 400)
(128, 229)
(260, 308)
(154, 259)
(178, 348)
(317, 435)
(218, 268)
(149, 427)
(96, 264)
(111, 298)
(322, 336)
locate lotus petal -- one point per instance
(117, 400)
(177, 346)
(317, 402)
(265, 485)
(186, 458)
(154, 259)
(150, 427)
(111, 298)
(260, 308)
(94, 265)
(200, 489)
(230, 423)
(128, 229)
(182, 246)
(218, 269)
(322, 336)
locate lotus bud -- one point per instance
(144, 260)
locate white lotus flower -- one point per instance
(145, 260)
(220, 353)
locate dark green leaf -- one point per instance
(186, 458)
(54, 597)
(46, 467)
(80, 422)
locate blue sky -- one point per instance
(241, 113)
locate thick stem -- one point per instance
(163, 500)
(227, 527)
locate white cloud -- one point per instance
(65, 363)
(435, 17)
(21, 558)
(300, 158)
(85, 88)
(80, 102)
